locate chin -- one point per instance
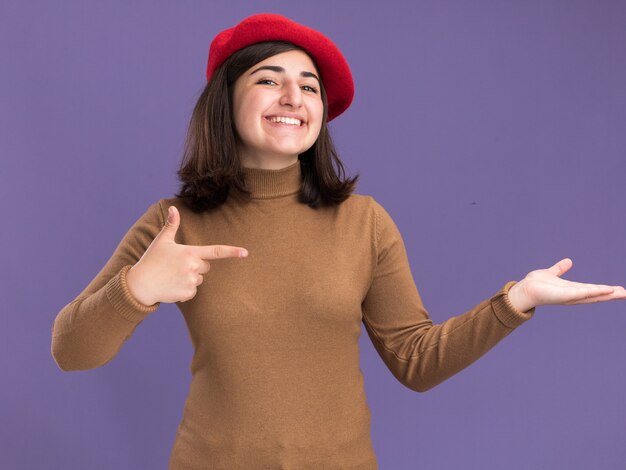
(287, 153)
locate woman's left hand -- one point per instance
(545, 286)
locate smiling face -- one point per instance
(278, 110)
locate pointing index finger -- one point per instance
(221, 251)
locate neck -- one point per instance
(267, 183)
(268, 163)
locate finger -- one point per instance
(587, 294)
(579, 285)
(596, 299)
(220, 251)
(205, 267)
(200, 266)
(171, 225)
(618, 293)
(561, 267)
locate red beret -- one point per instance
(333, 67)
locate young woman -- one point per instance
(276, 381)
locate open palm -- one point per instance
(545, 286)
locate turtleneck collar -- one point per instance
(267, 184)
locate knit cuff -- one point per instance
(505, 311)
(123, 301)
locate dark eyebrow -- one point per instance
(276, 68)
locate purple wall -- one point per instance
(493, 132)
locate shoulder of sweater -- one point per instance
(371, 204)
(177, 202)
(366, 203)
(165, 202)
(367, 207)
(364, 200)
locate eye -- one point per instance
(264, 80)
(313, 89)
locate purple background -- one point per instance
(494, 133)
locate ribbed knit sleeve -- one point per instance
(421, 354)
(90, 330)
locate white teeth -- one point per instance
(286, 120)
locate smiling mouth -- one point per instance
(285, 122)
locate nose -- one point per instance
(292, 95)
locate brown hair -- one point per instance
(211, 164)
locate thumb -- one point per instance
(171, 225)
(561, 267)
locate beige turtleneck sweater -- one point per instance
(275, 379)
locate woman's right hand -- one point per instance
(170, 272)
